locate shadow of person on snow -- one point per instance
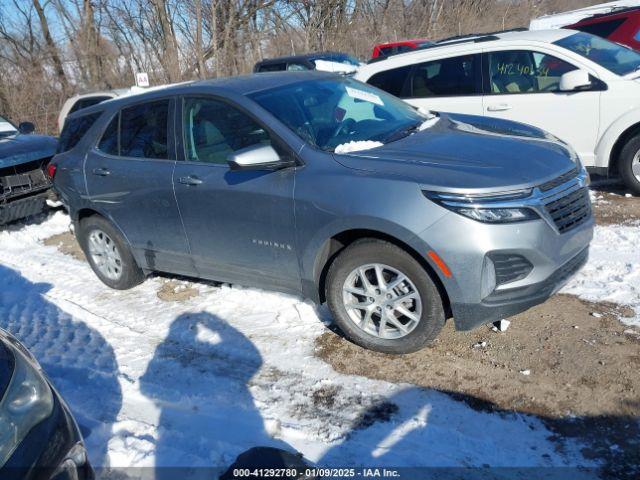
(77, 358)
(199, 378)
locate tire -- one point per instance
(391, 260)
(125, 272)
(629, 156)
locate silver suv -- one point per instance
(328, 188)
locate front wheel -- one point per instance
(108, 254)
(383, 299)
(629, 165)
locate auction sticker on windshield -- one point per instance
(366, 96)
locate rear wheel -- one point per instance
(108, 254)
(629, 165)
(383, 299)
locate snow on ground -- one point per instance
(613, 271)
(194, 383)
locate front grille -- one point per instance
(21, 180)
(556, 182)
(571, 210)
(510, 267)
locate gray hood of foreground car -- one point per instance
(469, 153)
(17, 149)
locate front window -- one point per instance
(524, 71)
(332, 112)
(619, 59)
(213, 130)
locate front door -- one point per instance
(129, 178)
(240, 224)
(524, 86)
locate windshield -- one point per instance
(6, 127)
(331, 112)
(339, 58)
(619, 59)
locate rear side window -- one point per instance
(447, 77)
(74, 129)
(391, 81)
(140, 131)
(110, 138)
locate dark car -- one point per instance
(621, 25)
(39, 439)
(24, 186)
(322, 186)
(334, 61)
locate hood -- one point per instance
(18, 149)
(469, 153)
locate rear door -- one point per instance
(240, 224)
(129, 178)
(451, 84)
(524, 86)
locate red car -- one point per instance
(622, 26)
(394, 48)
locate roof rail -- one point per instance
(445, 42)
(470, 36)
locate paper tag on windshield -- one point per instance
(366, 96)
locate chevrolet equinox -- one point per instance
(325, 187)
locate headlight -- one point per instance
(479, 206)
(27, 401)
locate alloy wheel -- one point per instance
(105, 254)
(382, 301)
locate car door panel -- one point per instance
(240, 224)
(137, 195)
(514, 92)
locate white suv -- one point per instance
(581, 88)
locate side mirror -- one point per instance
(256, 157)
(575, 80)
(26, 128)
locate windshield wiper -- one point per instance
(401, 133)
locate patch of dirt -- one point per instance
(177, 291)
(613, 205)
(583, 364)
(66, 243)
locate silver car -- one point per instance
(328, 188)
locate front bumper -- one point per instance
(465, 245)
(505, 303)
(23, 207)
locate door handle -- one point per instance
(499, 108)
(102, 172)
(190, 180)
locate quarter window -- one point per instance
(447, 77)
(213, 130)
(522, 71)
(74, 129)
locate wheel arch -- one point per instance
(619, 144)
(333, 245)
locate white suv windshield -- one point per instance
(619, 59)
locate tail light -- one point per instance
(51, 170)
